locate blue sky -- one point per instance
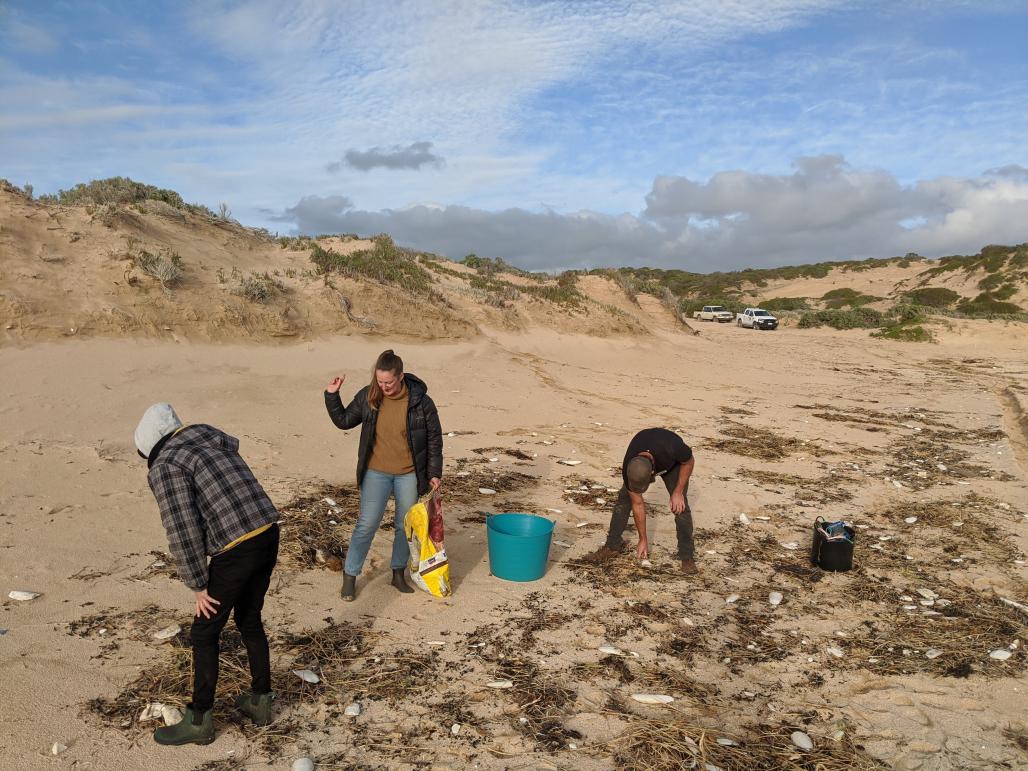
(703, 135)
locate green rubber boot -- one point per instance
(194, 729)
(256, 706)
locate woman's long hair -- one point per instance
(387, 362)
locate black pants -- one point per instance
(683, 521)
(238, 579)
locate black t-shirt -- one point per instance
(667, 448)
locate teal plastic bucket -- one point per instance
(519, 546)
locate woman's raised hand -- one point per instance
(335, 385)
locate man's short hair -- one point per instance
(639, 474)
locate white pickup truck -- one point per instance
(713, 313)
(757, 318)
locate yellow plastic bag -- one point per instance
(428, 566)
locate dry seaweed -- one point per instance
(588, 493)
(313, 532)
(508, 451)
(670, 744)
(763, 443)
(958, 626)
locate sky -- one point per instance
(704, 135)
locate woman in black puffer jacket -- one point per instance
(400, 454)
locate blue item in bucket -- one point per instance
(519, 546)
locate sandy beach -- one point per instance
(785, 426)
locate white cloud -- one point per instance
(825, 210)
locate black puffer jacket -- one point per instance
(424, 433)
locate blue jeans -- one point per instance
(375, 491)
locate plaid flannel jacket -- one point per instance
(208, 498)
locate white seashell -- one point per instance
(837, 652)
(928, 594)
(320, 556)
(20, 596)
(486, 491)
(724, 741)
(897, 483)
(791, 546)
(710, 766)
(353, 710)
(500, 684)
(906, 598)
(744, 519)
(57, 748)
(546, 442)
(307, 676)
(565, 544)
(910, 520)
(462, 473)
(932, 653)
(645, 564)
(801, 740)
(775, 598)
(329, 501)
(436, 643)
(554, 511)
(570, 462)
(1000, 654)
(151, 711)
(688, 621)
(763, 519)
(167, 633)
(601, 501)
(731, 598)
(170, 715)
(652, 698)
(303, 764)
(455, 729)
(581, 524)
(494, 460)
(610, 649)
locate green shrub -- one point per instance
(384, 262)
(932, 297)
(907, 313)
(785, 304)
(166, 267)
(908, 334)
(856, 318)
(986, 305)
(258, 287)
(114, 190)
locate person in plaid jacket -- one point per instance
(212, 507)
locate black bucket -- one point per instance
(832, 546)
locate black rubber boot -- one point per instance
(349, 590)
(256, 706)
(194, 729)
(400, 581)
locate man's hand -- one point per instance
(336, 384)
(677, 503)
(642, 551)
(436, 482)
(206, 605)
